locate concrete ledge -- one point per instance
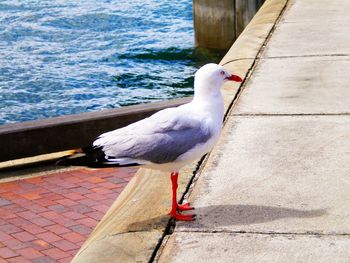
(136, 222)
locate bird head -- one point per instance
(214, 76)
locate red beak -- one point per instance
(235, 78)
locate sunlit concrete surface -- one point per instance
(276, 188)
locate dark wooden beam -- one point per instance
(72, 131)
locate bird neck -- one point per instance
(206, 92)
(209, 101)
(208, 97)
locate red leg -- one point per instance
(175, 206)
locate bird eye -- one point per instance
(222, 73)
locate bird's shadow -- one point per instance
(231, 215)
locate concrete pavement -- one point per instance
(276, 188)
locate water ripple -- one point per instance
(63, 57)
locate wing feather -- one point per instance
(157, 139)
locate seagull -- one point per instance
(169, 139)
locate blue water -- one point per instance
(61, 57)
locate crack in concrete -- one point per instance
(305, 56)
(308, 233)
(288, 114)
(237, 59)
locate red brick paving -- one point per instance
(48, 218)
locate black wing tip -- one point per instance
(92, 157)
(106, 164)
(86, 156)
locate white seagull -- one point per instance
(170, 138)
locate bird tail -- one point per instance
(92, 157)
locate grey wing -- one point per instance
(160, 147)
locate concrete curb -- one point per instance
(134, 226)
